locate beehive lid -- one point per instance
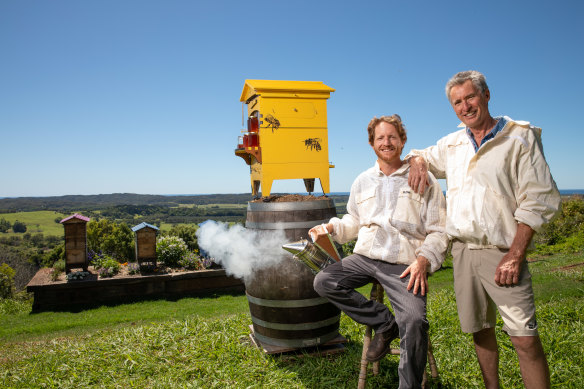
(75, 217)
(144, 225)
(266, 87)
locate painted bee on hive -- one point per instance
(313, 143)
(273, 123)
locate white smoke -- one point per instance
(239, 250)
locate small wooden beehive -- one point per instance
(145, 242)
(75, 242)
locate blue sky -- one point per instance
(142, 96)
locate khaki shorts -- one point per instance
(478, 296)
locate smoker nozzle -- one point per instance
(309, 254)
(295, 247)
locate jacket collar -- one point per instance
(402, 171)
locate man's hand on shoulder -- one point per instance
(418, 272)
(418, 175)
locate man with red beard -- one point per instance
(500, 190)
(400, 239)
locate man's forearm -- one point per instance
(521, 240)
(509, 269)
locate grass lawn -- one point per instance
(204, 343)
(37, 221)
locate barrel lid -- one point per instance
(291, 205)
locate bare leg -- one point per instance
(488, 355)
(532, 361)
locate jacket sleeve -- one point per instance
(434, 156)
(347, 228)
(538, 198)
(434, 219)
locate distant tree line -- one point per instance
(174, 215)
(73, 203)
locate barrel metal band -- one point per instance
(297, 326)
(283, 225)
(291, 205)
(297, 343)
(287, 303)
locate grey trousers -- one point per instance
(338, 282)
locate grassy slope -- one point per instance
(37, 221)
(204, 343)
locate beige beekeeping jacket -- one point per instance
(391, 222)
(507, 181)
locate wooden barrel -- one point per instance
(285, 310)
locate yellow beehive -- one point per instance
(286, 136)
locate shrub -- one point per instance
(569, 221)
(209, 263)
(98, 260)
(111, 238)
(570, 245)
(187, 233)
(58, 269)
(106, 272)
(191, 261)
(564, 234)
(4, 225)
(109, 268)
(6, 281)
(95, 259)
(170, 250)
(133, 268)
(13, 306)
(59, 265)
(19, 227)
(106, 265)
(53, 256)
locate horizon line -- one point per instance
(565, 191)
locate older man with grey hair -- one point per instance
(499, 192)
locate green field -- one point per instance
(168, 226)
(36, 222)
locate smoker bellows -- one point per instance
(286, 136)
